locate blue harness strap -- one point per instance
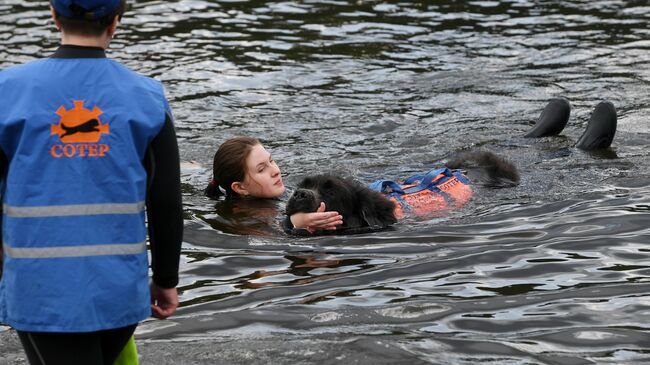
(386, 186)
(426, 181)
(427, 178)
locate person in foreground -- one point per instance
(243, 168)
(80, 135)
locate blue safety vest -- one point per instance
(75, 132)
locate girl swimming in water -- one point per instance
(243, 168)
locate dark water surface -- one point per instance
(554, 271)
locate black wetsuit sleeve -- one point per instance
(288, 228)
(164, 206)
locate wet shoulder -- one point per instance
(261, 217)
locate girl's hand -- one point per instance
(319, 220)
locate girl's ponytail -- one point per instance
(212, 190)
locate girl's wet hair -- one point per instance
(230, 165)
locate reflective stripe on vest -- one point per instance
(73, 251)
(70, 210)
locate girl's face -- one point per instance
(263, 179)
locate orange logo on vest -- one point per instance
(79, 129)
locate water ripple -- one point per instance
(551, 271)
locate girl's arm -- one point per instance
(318, 220)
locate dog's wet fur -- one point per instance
(360, 206)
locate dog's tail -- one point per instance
(486, 166)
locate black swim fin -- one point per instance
(601, 128)
(553, 119)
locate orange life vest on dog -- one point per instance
(427, 195)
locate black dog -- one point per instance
(361, 207)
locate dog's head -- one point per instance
(334, 191)
(359, 205)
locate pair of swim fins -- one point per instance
(600, 130)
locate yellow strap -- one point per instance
(129, 355)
